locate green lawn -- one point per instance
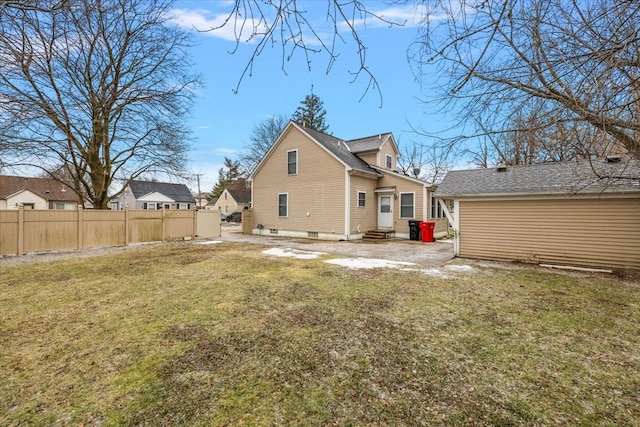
(186, 334)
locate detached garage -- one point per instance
(583, 214)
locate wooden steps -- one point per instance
(378, 234)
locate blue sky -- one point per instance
(222, 120)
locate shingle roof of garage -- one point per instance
(581, 177)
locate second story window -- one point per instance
(388, 161)
(292, 162)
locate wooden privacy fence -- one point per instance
(24, 230)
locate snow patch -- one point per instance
(209, 242)
(292, 253)
(359, 263)
(460, 268)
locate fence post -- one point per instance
(80, 226)
(195, 223)
(163, 226)
(21, 230)
(126, 225)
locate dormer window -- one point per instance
(388, 161)
(292, 162)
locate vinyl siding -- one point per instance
(600, 232)
(318, 188)
(363, 219)
(387, 149)
(371, 158)
(401, 225)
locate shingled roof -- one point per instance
(177, 192)
(577, 177)
(341, 150)
(46, 188)
(239, 191)
(369, 143)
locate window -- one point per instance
(292, 162)
(283, 205)
(406, 205)
(59, 206)
(150, 206)
(436, 209)
(225, 195)
(184, 206)
(362, 196)
(388, 161)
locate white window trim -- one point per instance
(435, 206)
(297, 160)
(413, 205)
(287, 205)
(388, 161)
(358, 199)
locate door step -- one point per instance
(379, 234)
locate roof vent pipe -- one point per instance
(501, 167)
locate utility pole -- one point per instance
(198, 175)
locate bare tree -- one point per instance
(423, 161)
(291, 26)
(263, 135)
(503, 59)
(98, 87)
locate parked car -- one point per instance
(223, 217)
(234, 217)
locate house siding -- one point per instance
(589, 232)
(401, 225)
(371, 158)
(363, 219)
(317, 188)
(385, 150)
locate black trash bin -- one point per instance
(414, 230)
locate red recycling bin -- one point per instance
(426, 228)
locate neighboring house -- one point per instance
(310, 184)
(202, 199)
(151, 195)
(35, 193)
(236, 197)
(552, 213)
(211, 204)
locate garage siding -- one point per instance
(599, 232)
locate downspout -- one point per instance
(425, 200)
(347, 203)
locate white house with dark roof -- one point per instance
(582, 213)
(311, 184)
(152, 195)
(35, 193)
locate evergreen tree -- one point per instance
(311, 113)
(226, 175)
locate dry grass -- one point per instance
(184, 334)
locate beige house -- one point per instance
(310, 184)
(552, 213)
(35, 193)
(234, 198)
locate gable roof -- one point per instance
(239, 191)
(339, 149)
(177, 192)
(544, 179)
(368, 143)
(46, 188)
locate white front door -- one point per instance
(385, 211)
